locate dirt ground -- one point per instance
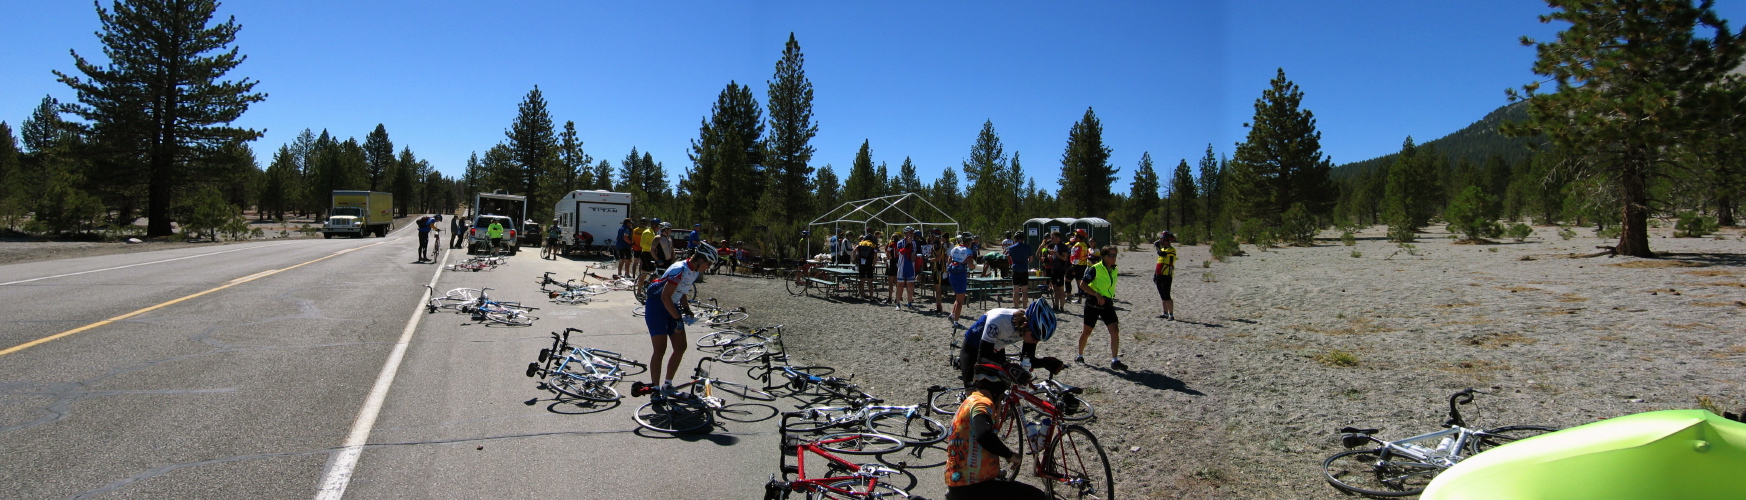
(1273, 351)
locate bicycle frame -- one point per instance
(869, 473)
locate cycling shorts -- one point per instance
(655, 316)
(1163, 282)
(960, 282)
(905, 270)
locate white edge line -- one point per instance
(340, 465)
(139, 264)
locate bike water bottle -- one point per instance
(1037, 432)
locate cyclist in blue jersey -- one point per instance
(662, 313)
(958, 271)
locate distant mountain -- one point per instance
(1474, 143)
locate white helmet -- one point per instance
(707, 251)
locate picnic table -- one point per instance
(980, 289)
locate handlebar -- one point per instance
(1461, 397)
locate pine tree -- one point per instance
(1143, 195)
(1281, 162)
(736, 111)
(1634, 79)
(945, 193)
(533, 142)
(863, 182)
(1086, 175)
(405, 181)
(11, 171)
(379, 153)
(165, 61)
(987, 189)
(575, 172)
(908, 181)
(1184, 196)
(1212, 192)
(829, 190)
(603, 175)
(791, 132)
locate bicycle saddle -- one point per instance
(1354, 430)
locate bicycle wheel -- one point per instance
(1080, 466)
(743, 391)
(820, 419)
(1374, 472)
(727, 318)
(911, 427)
(725, 338)
(1492, 438)
(581, 387)
(858, 490)
(674, 416)
(509, 319)
(947, 402)
(743, 353)
(1011, 428)
(795, 282)
(861, 443)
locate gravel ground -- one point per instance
(1273, 351)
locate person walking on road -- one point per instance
(1099, 284)
(621, 247)
(495, 233)
(426, 225)
(662, 313)
(458, 230)
(1165, 271)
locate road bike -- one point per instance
(579, 371)
(1065, 457)
(695, 409)
(843, 479)
(452, 300)
(722, 340)
(755, 346)
(1066, 398)
(1404, 467)
(907, 423)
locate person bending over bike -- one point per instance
(662, 314)
(973, 446)
(987, 339)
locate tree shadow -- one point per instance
(1152, 380)
(1711, 259)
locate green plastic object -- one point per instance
(1684, 454)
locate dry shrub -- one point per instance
(1718, 304)
(1456, 304)
(1711, 273)
(1571, 297)
(1336, 358)
(1654, 264)
(1496, 340)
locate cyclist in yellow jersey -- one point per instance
(1165, 271)
(1080, 255)
(1099, 288)
(974, 449)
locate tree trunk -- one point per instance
(1725, 210)
(1634, 226)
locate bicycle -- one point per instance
(694, 410)
(507, 313)
(453, 299)
(579, 371)
(1066, 398)
(754, 346)
(1066, 457)
(1404, 467)
(721, 340)
(906, 423)
(844, 479)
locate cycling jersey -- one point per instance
(1101, 280)
(1166, 261)
(958, 259)
(966, 461)
(648, 240)
(624, 238)
(997, 330)
(1081, 253)
(680, 274)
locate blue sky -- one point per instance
(916, 79)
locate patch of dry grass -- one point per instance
(1336, 358)
(1571, 297)
(1456, 304)
(1711, 273)
(1514, 289)
(1496, 340)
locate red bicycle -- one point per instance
(844, 479)
(1067, 458)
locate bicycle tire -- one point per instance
(947, 402)
(1366, 473)
(1082, 463)
(758, 372)
(819, 419)
(578, 387)
(743, 391)
(509, 319)
(913, 428)
(1492, 438)
(796, 282)
(1011, 428)
(724, 339)
(865, 443)
(858, 490)
(727, 318)
(674, 416)
(743, 353)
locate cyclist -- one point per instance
(1099, 284)
(663, 252)
(987, 339)
(866, 254)
(554, 234)
(648, 244)
(1165, 271)
(1018, 254)
(495, 233)
(621, 247)
(1079, 254)
(662, 312)
(636, 248)
(958, 271)
(1056, 251)
(973, 446)
(426, 225)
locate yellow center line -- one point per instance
(228, 284)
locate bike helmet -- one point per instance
(1042, 319)
(991, 376)
(666, 225)
(1167, 237)
(708, 253)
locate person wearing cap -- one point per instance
(621, 247)
(973, 446)
(1165, 271)
(665, 312)
(426, 225)
(1099, 285)
(958, 272)
(696, 237)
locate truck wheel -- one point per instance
(328, 236)
(514, 248)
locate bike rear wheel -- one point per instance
(913, 429)
(589, 389)
(743, 353)
(1081, 466)
(1379, 473)
(795, 282)
(675, 416)
(858, 490)
(726, 318)
(947, 402)
(863, 443)
(723, 339)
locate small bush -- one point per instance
(1225, 245)
(1337, 358)
(1402, 234)
(1347, 238)
(1297, 227)
(1608, 232)
(1519, 231)
(1692, 225)
(1410, 248)
(1492, 249)
(1565, 232)
(1357, 254)
(1255, 232)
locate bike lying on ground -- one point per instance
(844, 479)
(579, 371)
(907, 423)
(695, 409)
(1404, 467)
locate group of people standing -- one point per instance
(647, 245)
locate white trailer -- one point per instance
(598, 213)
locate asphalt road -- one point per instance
(239, 371)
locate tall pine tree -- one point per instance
(1086, 175)
(791, 132)
(1280, 162)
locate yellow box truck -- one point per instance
(360, 213)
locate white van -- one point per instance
(598, 213)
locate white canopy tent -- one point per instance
(888, 213)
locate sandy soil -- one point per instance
(1275, 350)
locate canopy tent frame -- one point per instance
(884, 210)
